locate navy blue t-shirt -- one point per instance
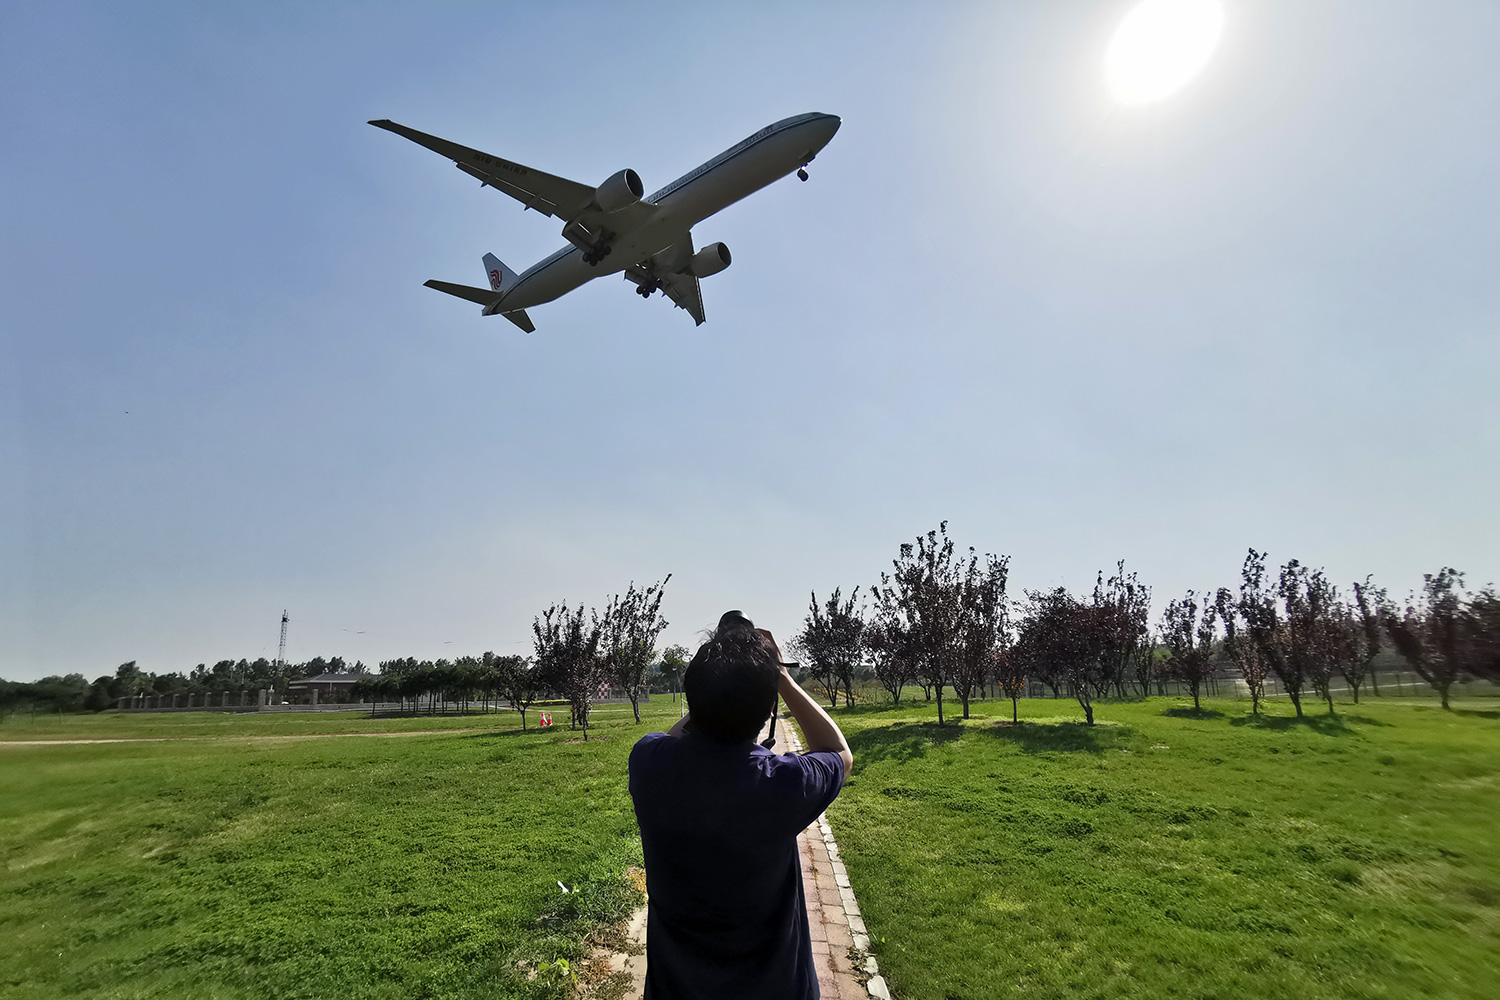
(719, 829)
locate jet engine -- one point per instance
(621, 191)
(710, 260)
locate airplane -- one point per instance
(649, 239)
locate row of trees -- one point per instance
(942, 620)
(580, 654)
(442, 682)
(1297, 627)
(75, 693)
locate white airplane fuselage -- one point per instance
(741, 170)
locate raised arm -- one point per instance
(818, 728)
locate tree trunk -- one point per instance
(1329, 698)
(940, 703)
(1196, 707)
(1375, 681)
(1296, 702)
(1014, 716)
(1355, 687)
(523, 720)
(635, 704)
(964, 699)
(1443, 690)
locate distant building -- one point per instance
(326, 687)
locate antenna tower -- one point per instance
(281, 649)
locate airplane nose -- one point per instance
(827, 127)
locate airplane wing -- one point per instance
(666, 269)
(550, 195)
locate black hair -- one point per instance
(732, 681)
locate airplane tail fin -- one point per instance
(502, 278)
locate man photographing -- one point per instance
(719, 817)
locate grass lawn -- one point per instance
(1167, 853)
(244, 866)
(153, 725)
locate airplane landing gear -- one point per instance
(594, 244)
(644, 291)
(802, 173)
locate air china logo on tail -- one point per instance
(495, 279)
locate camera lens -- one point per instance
(735, 619)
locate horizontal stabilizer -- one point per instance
(519, 317)
(484, 296)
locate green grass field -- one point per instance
(1161, 854)
(234, 863)
(147, 725)
(1167, 853)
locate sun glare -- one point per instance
(1161, 45)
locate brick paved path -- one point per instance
(833, 915)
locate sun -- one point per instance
(1159, 46)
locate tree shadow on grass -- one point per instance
(1059, 737)
(1327, 725)
(1364, 720)
(900, 742)
(869, 708)
(1194, 713)
(1476, 713)
(530, 730)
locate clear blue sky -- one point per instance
(1261, 312)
